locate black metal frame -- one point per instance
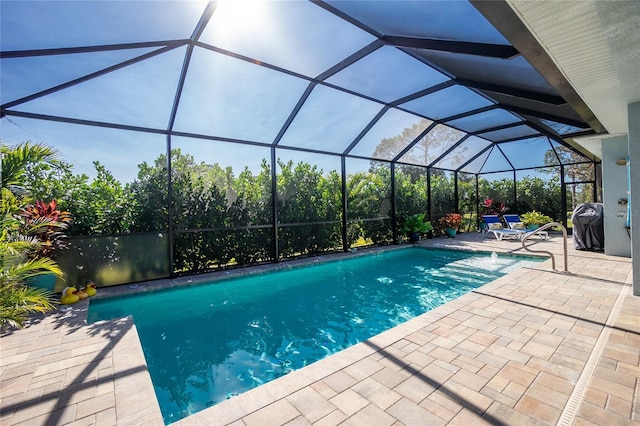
(495, 12)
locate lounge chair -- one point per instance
(515, 223)
(494, 225)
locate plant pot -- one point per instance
(414, 237)
(533, 226)
(450, 232)
(43, 282)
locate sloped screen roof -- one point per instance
(429, 83)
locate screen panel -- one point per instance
(447, 102)
(280, 33)
(377, 75)
(329, 120)
(390, 135)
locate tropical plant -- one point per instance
(18, 160)
(415, 225)
(46, 223)
(490, 206)
(17, 266)
(18, 301)
(451, 220)
(535, 218)
(18, 242)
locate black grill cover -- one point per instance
(588, 226)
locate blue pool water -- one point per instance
(207, 343)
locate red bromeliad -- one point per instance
(46, 223)
(493, 207)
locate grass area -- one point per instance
(469, 222)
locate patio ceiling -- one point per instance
(429, 83)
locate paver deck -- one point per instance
(535, 347)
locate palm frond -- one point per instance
(16, 159)
(35, 267)
(17, 302)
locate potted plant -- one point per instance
(534, 219)
(414, 225)
(451, 223)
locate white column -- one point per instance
(634, 156)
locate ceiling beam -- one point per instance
(468, 113)
(496, 128)
(85, 49)
(510, 91)
(350, 60)
(68, 120)
(502, 51)
(505, 20)
(545, 116)
(424, 92)
(566, 142)
(93, 75)
(346, 17)
(204, 20)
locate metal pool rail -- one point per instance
(553, 259)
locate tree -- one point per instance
(467, 199)
(369, 205)
(411, 191)
(498, 190)
(306, 195)
(252, 206)
(442, 195)
(150, 191)
(389, 148)
(577, 168)
(102, 206)
(426, 150)
(543, 195)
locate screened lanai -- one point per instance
(198, 136)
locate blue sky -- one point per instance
(223, 96)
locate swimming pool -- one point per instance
(207, 343)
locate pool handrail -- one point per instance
(553, 259)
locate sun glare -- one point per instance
(234, 19)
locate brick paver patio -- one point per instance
(534, 347)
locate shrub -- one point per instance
(535, 218)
